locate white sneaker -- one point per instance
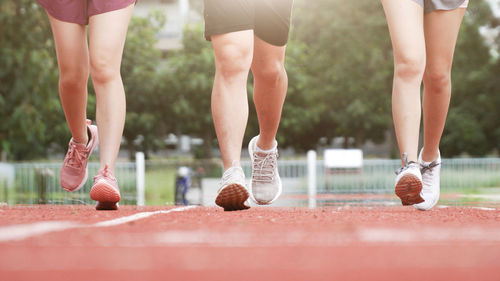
(265, 186)
(232, 194)
(409, 183)
(430, 178)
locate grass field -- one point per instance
(160, 187)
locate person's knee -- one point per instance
(102, 70)
(270, 71)
(73, 77)
(233, 61)
(409, 67)
(437, 79)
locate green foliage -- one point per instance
(348, 69)
(339, 64)
(148, 106)
(474, 120)
(188, 78)
(29, 102)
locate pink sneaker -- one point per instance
(74, 170)
(105, 190)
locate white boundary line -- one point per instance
(23, 231)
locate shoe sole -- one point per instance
(280, 187)
(106, 206)
(408, 190)
(232, 198)
(106, 196)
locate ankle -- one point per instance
(234, 163)
(429, 156)
(85, 139)
(266, 145)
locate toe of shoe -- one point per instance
(426, 205)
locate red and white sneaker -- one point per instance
(105, 190)
(409, 182)
(74, 170)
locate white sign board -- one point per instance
(343, 158)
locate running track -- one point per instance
(198, 243)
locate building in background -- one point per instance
(179, 13)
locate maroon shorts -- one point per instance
(79, 11)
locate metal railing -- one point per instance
(38, 183)
(377, 175)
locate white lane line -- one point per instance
(23, 231)
(138, 216)
(484, 208)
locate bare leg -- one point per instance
(73, 61)
(405, 20)
(233, 58)
(270, 85)
(107, 33)
(441, 32)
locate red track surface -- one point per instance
(381, 243)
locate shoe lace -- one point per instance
(104, 173)
(75, 156)
(264, 167)
(429, 168)
(406, 165)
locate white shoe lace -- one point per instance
(428, 170)
(264, 167)
(407, 165)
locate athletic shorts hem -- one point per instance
(430, 9)
(79, 20)
(120, 7)
(63, 17)
(227, 29)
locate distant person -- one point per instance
(424, 35)
(101, 56)
(248, 34)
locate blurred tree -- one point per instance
(188, 78)
(349, 64)
(149, 112)
(474, 120)
(29, 104)
(339, 64)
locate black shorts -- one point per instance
(269, 19)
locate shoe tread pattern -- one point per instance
(408, 190)
(233, 198)
(106, 196)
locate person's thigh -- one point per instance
(107, 33)
(405, 19)
(223, 16)
(267, 56)
(272, 20)
(71, 47)
(441, 32)
(233, 51)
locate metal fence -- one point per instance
(38, 183)
(377, 175)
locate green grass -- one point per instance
(160, 186)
